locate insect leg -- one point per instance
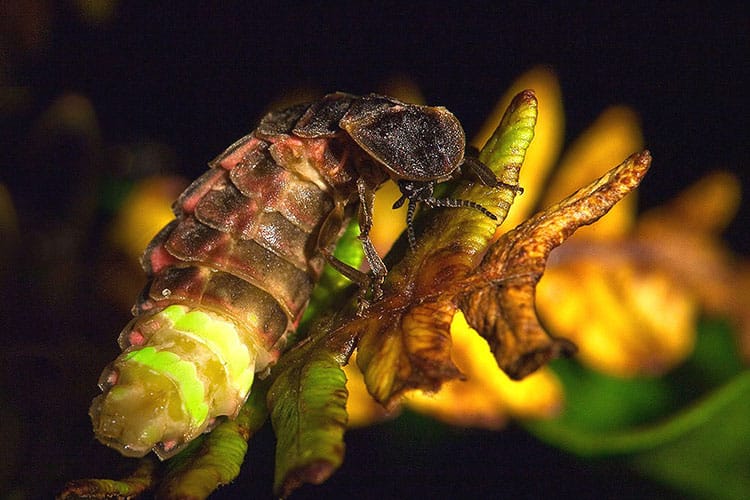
(483, 172)
(328, 234)
(362, 280)
(422, 191)
(366, 204)
(457, 203)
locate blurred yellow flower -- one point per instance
(475, 402)
(628, 291)
(681, 238)
(143, 213)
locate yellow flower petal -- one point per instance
(548, 137)
(614, 136)
(360, 406)
(706, 207)
(626, 320)
(388, 224)
(487, 398)
(403, 88)
(144, 212)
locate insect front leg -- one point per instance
(473, 165)
(329, 233)
(378, 270)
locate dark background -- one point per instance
(197, 76)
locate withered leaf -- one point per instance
(499, 298)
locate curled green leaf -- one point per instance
(499, 299)
(308, 412)
(137, 483)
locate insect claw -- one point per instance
(374, 286)
(362, 306)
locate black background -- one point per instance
(196, 76)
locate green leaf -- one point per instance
(508, 144)
(308, 412)
(703, 450)
(714, 362)
(329, 289)
(503, 153)
(137, 483)
(709, 455)
(591, 442)
(214, 460)
(600, 403)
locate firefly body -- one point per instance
(230, 276)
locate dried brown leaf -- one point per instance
(499, 301)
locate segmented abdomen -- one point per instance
(244, 243)
(229, 277)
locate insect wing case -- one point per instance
(419, 143)
(228, 279)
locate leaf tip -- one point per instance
(530, 361)
(315, 472)
(526, 96)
